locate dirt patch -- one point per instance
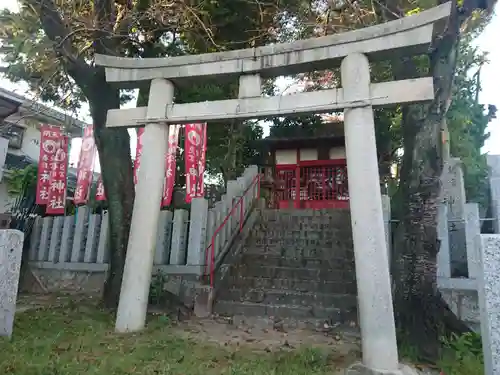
(257, 333)
(265, 334)
(261, 334)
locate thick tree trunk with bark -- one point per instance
(384, 147)
(229, 168)
(116, 166)
(113, 144)
(422, 316)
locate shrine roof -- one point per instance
(331, 131)
(302, 141)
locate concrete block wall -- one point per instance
(70, 254)
(460, 262)
(488, 286)
(83, 239)
(494, 166)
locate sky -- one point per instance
(490, 80)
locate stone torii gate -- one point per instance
(357, 97)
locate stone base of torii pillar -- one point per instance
(360, 369)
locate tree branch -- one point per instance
(61, 37)
(104, 14)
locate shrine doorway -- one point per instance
(312, 184)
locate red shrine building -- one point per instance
(307, 171)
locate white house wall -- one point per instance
(31, 138)
(30, 146)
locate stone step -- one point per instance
(314, 216)
(316, 226)
(345, 302)
(253, 256)
(321, 231)
(250, 309)
(266, 239)
(292, 285)
(271, 260)
(297, 251)
(302, 240)
(328, 273)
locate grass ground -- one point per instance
(79, 339)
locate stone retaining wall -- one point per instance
(91, 282)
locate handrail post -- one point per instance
(212, 260)
(258, 186)
(241, 212)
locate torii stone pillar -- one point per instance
(370, 244)
(131, 315)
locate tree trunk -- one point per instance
(384, 147)
(228, 169)
(116, 166)
(422, 316)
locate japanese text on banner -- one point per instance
(138, 153)
(100, 195)
(49, 143)
(195, 155)
(170, 164)
(58, 175)
(85, 166)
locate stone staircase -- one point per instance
(295, 264)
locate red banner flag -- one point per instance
(56, 201)
(85, 166)
(170, 164)
(138, 153)
(49, 141)
(100, 195)
(195, 153)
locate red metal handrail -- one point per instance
(255, 181)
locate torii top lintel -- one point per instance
(406, 36)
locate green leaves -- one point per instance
(20, 180)
(467, 122)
